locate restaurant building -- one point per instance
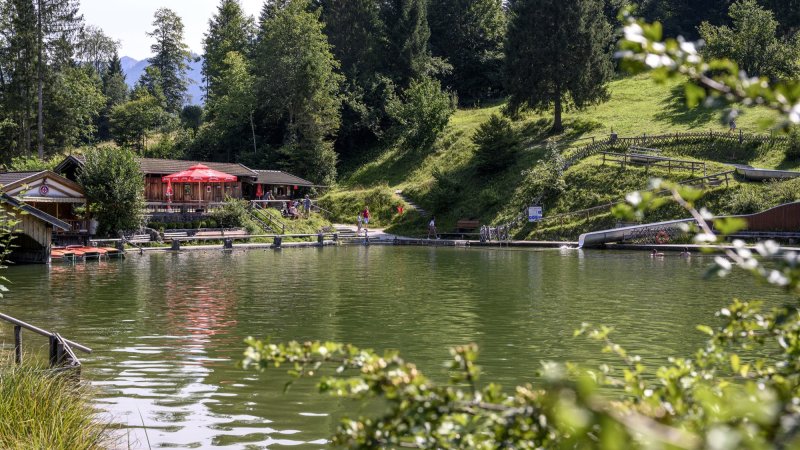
(188, 195)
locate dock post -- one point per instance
(321, 239)
(227, 244)
(176, 245)
(278, 241)
(53, 351)
(18, 344)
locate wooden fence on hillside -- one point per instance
(665, 139)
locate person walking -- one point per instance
(366, 215)
(732, 125)
(432, 228)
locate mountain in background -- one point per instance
(133, 70)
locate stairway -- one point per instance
(408, 201)
(345, 231)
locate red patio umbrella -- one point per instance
(259, 191)
(199, 174)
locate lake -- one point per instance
(167, 329)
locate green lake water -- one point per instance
(167, 329)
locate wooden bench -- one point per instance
(139, 239)
(467, 225)
(168, 236)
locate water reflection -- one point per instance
(167, 329)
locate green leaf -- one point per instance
(705, 329)
(694, 95)
(735, 362)
(730, 225)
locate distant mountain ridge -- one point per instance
(134, 69)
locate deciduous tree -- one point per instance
(752, 42)
(114, 189)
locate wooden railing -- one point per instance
(641, 159)
(61, 353)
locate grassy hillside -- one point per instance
(446, 182)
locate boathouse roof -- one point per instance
(20, 184)
(39, 214)
(9, 178)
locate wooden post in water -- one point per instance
(53, 351)
(18, 344)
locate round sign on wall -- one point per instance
(44, 190)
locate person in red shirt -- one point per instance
(365, 215)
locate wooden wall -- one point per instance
(154, 190)
(34, 240)
(782, 218)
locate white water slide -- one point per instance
(596, 238)
(756, 174)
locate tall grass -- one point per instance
(40, 409)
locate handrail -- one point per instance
(273, 224)
(42, 332)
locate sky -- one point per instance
(129, 20)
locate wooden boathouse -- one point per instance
(34, 232)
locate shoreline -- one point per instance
(567, 245)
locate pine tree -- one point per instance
(57, 25)
(115, 91)
(557, 54)
(298, 88)
(270, 9)
(354, 30)
(19, 70)
(229, 30)
(406, 55)
(170, 57)
(469, 35)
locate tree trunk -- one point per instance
(40, 76)
(558, 126)
(253, 129)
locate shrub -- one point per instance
(234, 214)
(793, 147)
(444, 192)
(497, 143)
